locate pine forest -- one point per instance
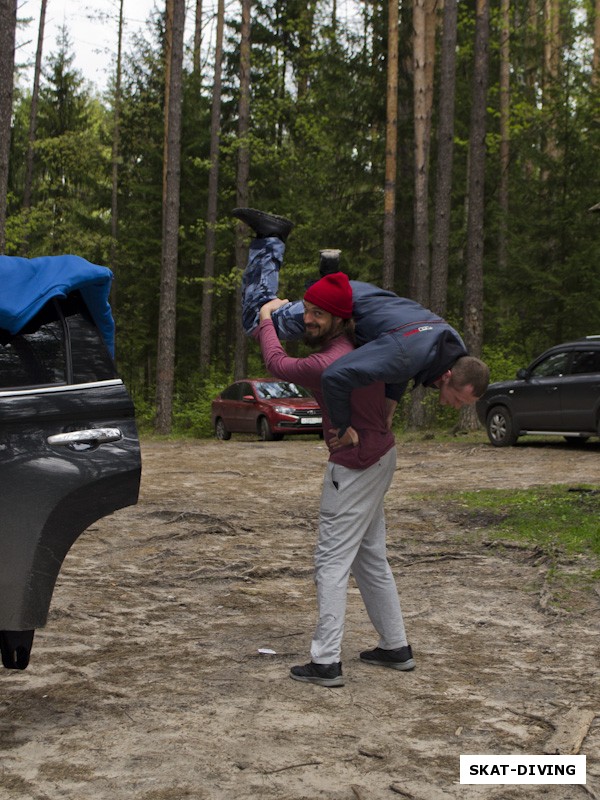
(450, 150)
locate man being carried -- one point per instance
(399, 340)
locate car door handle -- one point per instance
(91, 436)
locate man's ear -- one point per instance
(446, 377)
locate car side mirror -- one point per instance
(248, 398)
(522, 374)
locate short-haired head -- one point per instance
(468, 370)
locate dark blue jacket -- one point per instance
(399, 341)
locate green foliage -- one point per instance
(552, 517)
(503, 363)
(317, 146)
(192, 404)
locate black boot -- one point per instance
(263, 224)
(329, 262)
(321, 674)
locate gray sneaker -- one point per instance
(329, 262)
(402, 658)
(321, 674)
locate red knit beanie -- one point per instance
(332, 293)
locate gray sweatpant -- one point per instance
(352, 538)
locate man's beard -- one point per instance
(321, 336)
(316, 339)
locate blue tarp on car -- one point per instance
(26, 285)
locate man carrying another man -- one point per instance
(362, 448)
(398, 340)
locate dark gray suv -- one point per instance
(69, 449)
(557, 394)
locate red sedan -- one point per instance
(268, 407)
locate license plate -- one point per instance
(311, 421)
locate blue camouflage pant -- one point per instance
(260, 283)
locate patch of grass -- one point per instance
(563, 517)
(559, 524)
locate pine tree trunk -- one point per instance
(473, 302)
(35, 94)
(422, 92)
(114, 218)
(169, 11)
(213, 185)
(445, 155)
(305, 37)
(8, 26)
(165, 367)
(551, 67)
(197, 40)
(240, 366)
(532, 66)
(391, 151)
(504, 132)
(532, 69)
(423, 61)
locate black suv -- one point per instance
(69, 450)
(557, 394)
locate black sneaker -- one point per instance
(329, 262)
(402, 658)
(322, 674)
(263, 224)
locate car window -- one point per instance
(245, 389)
(90, 358)
(230, 393)
(268, 390)
(35, 357)
(39, 354)
(585, 361)
(551, 367)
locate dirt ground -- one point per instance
(148, 681)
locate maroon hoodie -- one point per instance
(368, 404)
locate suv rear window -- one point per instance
(42, 355)
(90, 359)
(33, 359)
(586, 361)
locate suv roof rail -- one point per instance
(593, 336)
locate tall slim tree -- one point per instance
(213, 186)
(243, 174)
(445, 156)
(34, 109)
(391, 150)
(197, 39)
(305, 44)
(115, 157)
(552, 44)
(473, 294)
(423, 58)
(169, 12)
(165, 364)
(504, 131)
(8, 26)
(423, 55)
